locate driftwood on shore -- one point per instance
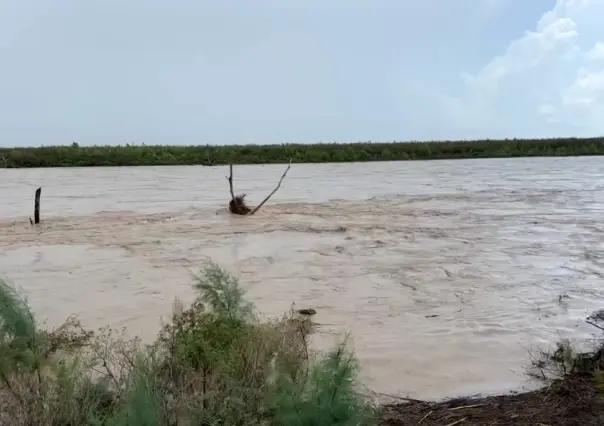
(36, 207)
(238, 206)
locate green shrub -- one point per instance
(215, 363)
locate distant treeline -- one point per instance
(148, 155)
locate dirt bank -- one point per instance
(572, 401)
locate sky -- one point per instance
(304, 71)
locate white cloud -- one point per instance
(597, 52)
(551, 80)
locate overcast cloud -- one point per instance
(261, 71)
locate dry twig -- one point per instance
(425, 417)
(458, 422)
(466, 406)
(274, 190)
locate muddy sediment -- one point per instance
(569, 402)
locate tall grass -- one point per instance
(214, 363)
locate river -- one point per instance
(448, 275)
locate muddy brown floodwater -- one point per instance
(447, 274)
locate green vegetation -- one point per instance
(213, 364)
(130, 155)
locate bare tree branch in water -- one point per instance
(237, 204)
(274, 190)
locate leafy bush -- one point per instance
(213, 364)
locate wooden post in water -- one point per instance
(37, 207)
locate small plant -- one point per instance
(565, 366)
(325, 397)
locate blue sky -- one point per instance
(262, 71)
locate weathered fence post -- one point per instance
(36, 207)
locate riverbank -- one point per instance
(215, 363)
(567, 402)
(572, 394)
(142, 155)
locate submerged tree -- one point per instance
(237, 205)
